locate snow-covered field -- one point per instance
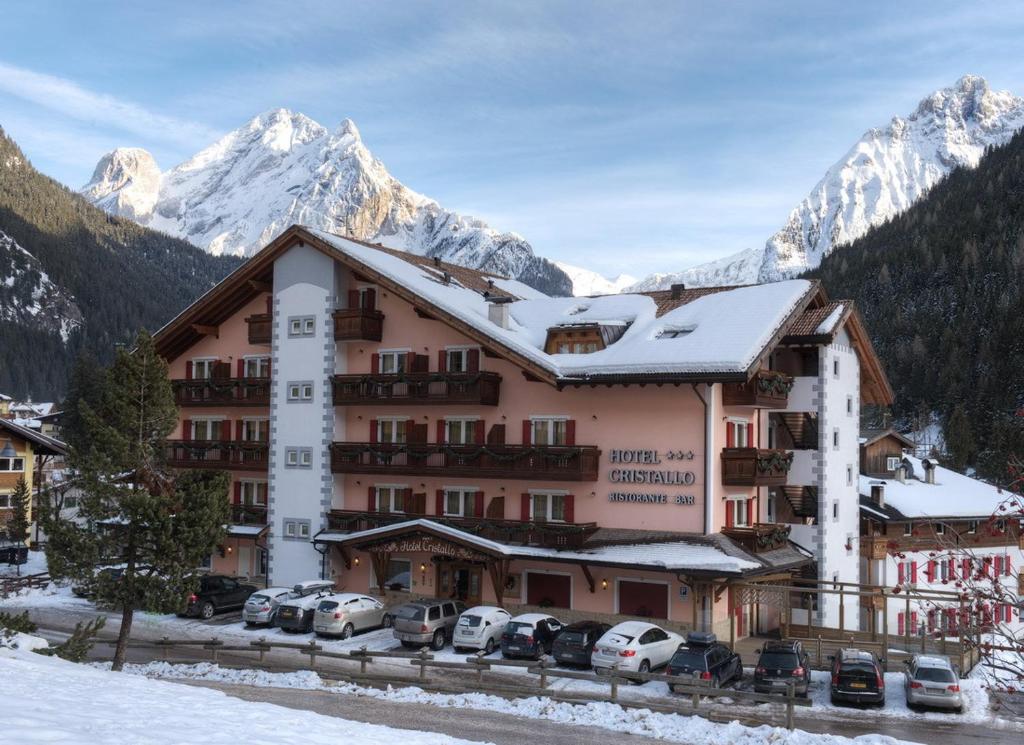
(36, 564)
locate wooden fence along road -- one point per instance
(11, 585)
(692, 691)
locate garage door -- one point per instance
(643, 599)
(553, 590)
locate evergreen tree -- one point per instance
(158, 523)
(18, 524)
(959, 439)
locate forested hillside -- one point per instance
(940, 287)
(109, 275)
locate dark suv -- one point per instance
(575, 643)
(217, 593)
(782, 663)
(703, 657)
(857, 678)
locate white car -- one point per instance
(634, 646)
(262, 605)
(480, 628)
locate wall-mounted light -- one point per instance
(423, 567)
(230, 549)
(604, 584)
(356, 561)
(8, 451)
(594, 417)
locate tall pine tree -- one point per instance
(157, 523)
(18, 523)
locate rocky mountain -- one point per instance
(586, 282)
(883, 174)
(283, 168)
(737, 269)
(75, 279)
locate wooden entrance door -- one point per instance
(461, 581)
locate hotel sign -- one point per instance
(426, 544)
(630, 469)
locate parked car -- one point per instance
(344, 613)
(480, 628)
(426, 622)
(575, 643)
(634, 646)
(262, 606)
(217, 594)
(529, 635)
(703, 657)
(296, 616)
(932, 680)
(857, 678)
(782, 663)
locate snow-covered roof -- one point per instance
(952, 494)
(730, 329)
(245, 531)
(828, 325)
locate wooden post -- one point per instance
(790, 695)
(819, 650)
(164, 646)
(362, 660)
(423, 667)
(615, 688)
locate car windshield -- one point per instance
(519, 627)
(688, 658)
(778, 659)
(256, 599)
(327, 605)
(472, 621)
(934, 675)
(409, 612)
(573, 637)
(857, 667)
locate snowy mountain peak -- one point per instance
(586, 282)
(125, 182)
(348, 128)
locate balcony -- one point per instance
(260, 328)
(231, 455)
(545, 463)
(547, 535)
(766, 390)
(248, 514)
(755, 467)
(874, 548)
(479, 388)
(222, 392)
(358, 324)
(760, 537)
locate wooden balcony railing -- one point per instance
(222, 392)
(552, 463)
(546, 534)
(766, 390)
(260, 328)
(760, 537)
(479, 388)
(248, 514)
(755, 467)
(218, 454)
(358, 324)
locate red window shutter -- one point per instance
(270, 303)
(900, 624)
(186, 429)
(570, 432)
(371, 499)
(570, 508)
(950, 569)
(440, 431)
(524, 508)
(913, 572)
(527, 432)
(353, 298)
(373, 430)
(965, 569)
(473, 360)
(931, 620)
(188, 370)
(371, 299)
(241, 369)
(930, 571)
(730, 434)
(270, 362)
(478, 504)
(238, 492)
(999, 566)
(730, 506)
(479, 432)
(750, 512)
(238, 429)
(986, 566)
(913, 622)
(442, 360)
(1006, 566)
(901, 575)
(439, 503)
(374, 363)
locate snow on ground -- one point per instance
(36, 564)
(18, 640)
(671, 727)
(48, 700)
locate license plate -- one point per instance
(514, 648)
(935, 690)
(858, 685)
(466, 633)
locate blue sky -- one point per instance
(623, 136)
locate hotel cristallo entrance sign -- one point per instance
(426, 544)
(633, 467)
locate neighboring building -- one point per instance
(926, 528)
(23, 453)
(413, 427)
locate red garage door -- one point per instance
(548, 590)
(643, 599)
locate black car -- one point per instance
(703, 657)
(529, 635)
(781, 664)
(217, 593)
(857, 678)
(575, 643)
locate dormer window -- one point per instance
(583, 338)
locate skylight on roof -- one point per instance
(675, 332)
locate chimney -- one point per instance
(901, 473)
(677, 290)
(498, 311)
(878, 494)
(929, 470)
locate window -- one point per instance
(944, 570)
(835, 510)
(255, 430)
(391, 430)
(771, 507)
(367, 298)
(206, 429)
(391, 499)
(206, 562)
(253, 493)
(940, 529)
(972, 526)
(12, 464)
(835, 438)
(298, 457)
(835, 367)
(577, 347)
(849, 475)
(461, 502)
(737, 433)
(547, 507)
(70, 502)
(737, 512)
(202, 369)
(549, 431)
(908, 529)
(301, 391)
(460, 431)
(398, 574)
(456, 360)
(295, 529)
(392, 363)
(5, 501)
(256, 367)
(999, 526)
(892, 462)
(301, 326)
(849, 405)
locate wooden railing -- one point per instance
(260, 328)
(766, 390)
(545, 534)
(480, 388)
(760, 537)
(358, 324)
(555, 463)
(222, 392)
(218, 454)
(755, 467)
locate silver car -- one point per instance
(345, 613)
(932, 680)
(262, 606)
(426, 622)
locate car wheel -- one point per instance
(347, 631)
(437, 642)
(206, 611)
(645, 667)
(489, 646)
(385, 622)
